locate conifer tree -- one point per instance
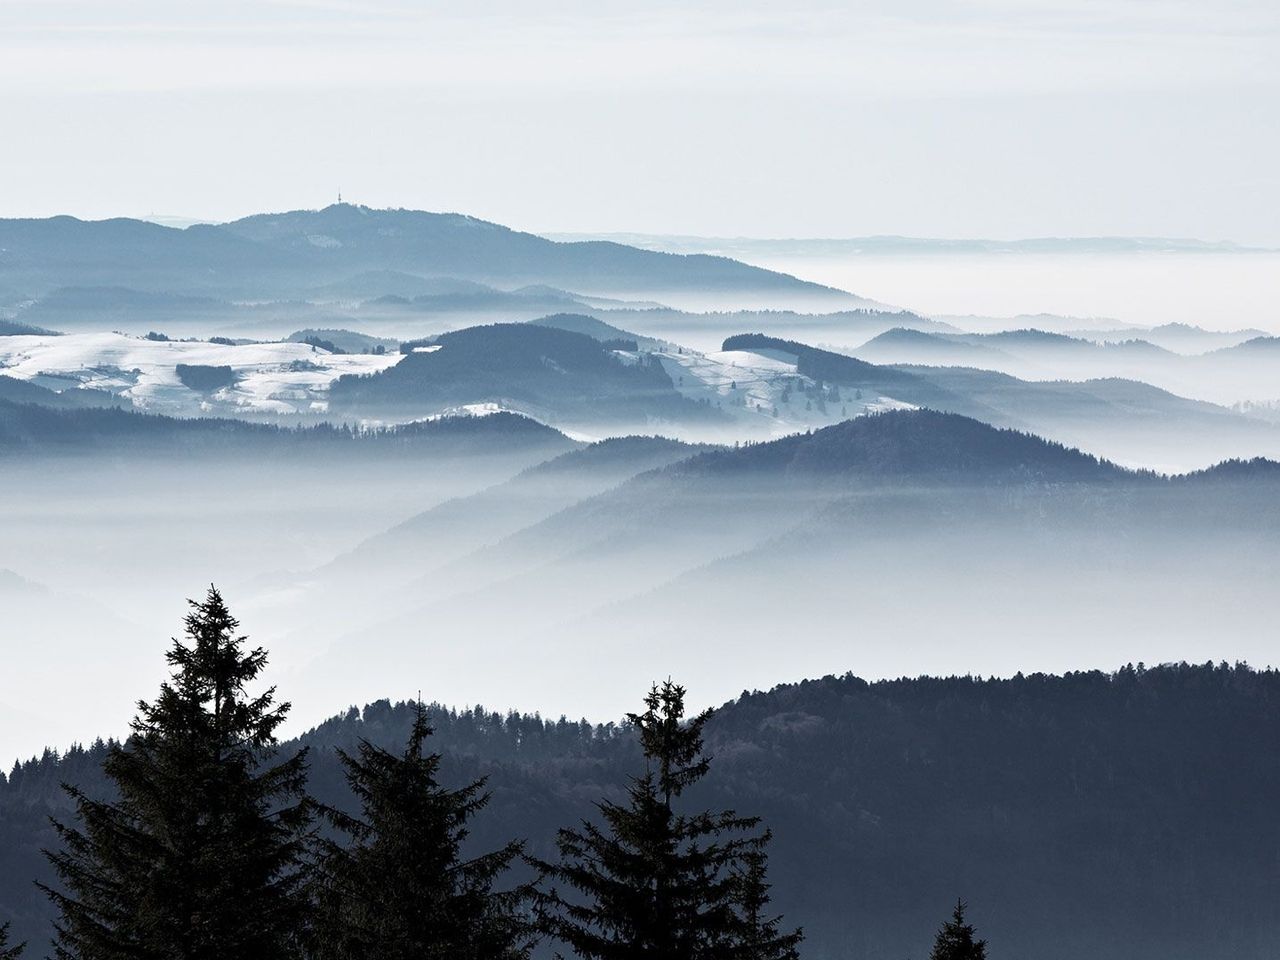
(400, 889)
(654, 883)
(7, 952)
(198, 856)
(955, 941)
(762, 936)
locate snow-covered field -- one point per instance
(765, 386)
(271, 378)
(762, 390)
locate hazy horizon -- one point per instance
(1026, 119)
(1214, 284)
(510, 357)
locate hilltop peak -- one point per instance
(903, 443)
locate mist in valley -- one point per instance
(639, 482)
(524, 501)
(427, 457)
(987, 290)
(580, 566)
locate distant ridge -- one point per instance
(1257, 468)
(913, 443)
(923, 344)
(301, 250)
(889, 244)
(470, 248)
(12, 328)
(1256, 345)
(593, 327)
(27, 428)
(13, 390)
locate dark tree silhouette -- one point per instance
(653, 882)
(955, 941)
(399, 889)
(7, 952)
(200, 854)
(762, 936)
(1147, 752)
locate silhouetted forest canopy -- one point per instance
(34, 427)
(1111, 815)
(546, 368)
(200, 841)
(916, 443)
(205, 378)
(12, 328)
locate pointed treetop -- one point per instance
(666, 738)
(957, 940)
(421, 729)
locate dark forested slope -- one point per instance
(13, 390)
(558, 374)
(1126, 816)
(29, 428)
(901, 444)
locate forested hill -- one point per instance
(281, 254)
(554, 373)
(17, 391)
(33, 428)
(11, 328)
(907, 444)
(1125, 816)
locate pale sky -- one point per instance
(1005, 118)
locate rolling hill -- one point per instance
(597, 329)
(284, 255)
(806, 552)
(15, 391)
(1189, 362)
(553, 374)
(1119, 418)
(1122, 815)
(353, 238)
(28, 430)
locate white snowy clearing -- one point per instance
(271, 378)
(766, 386)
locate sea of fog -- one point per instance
(1214, 290)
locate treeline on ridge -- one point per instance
(1125, 815)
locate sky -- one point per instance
(991, 118)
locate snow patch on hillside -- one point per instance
(271, 378)
(766, 388)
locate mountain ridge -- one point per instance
(908, 791)
(298, 250)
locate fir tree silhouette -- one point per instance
(7, 952)
(955, 941)
(654, 883)
(199, 857)
(400, 889)
(762, 937)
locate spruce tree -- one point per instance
(762, 936)
(655, 883)
(198, 857)
(399, 889)
(955, 941)
(7, 952)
